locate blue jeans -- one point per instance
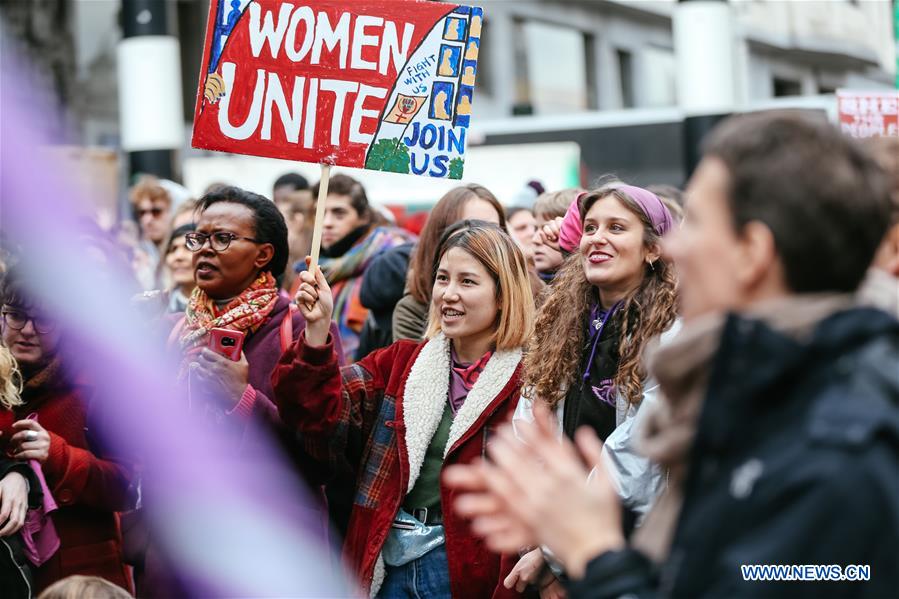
(424, 578)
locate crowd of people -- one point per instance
(612, 391)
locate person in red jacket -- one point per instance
(51, 428)
(405, 411)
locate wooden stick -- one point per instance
(319, 216)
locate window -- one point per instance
(626, 78)
(658, 77)
(555, 68)
(786, 87)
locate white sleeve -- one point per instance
(524, 412)
(637, 480)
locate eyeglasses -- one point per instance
(217, 241)
(17, 320)
(154, 212)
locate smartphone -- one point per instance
(227, 343)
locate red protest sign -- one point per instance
(869, 114)
(379, 84)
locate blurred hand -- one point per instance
(227, 375)
(316, 304)
(13, 503)
(536, 492)
(214, 88)
(31, 442)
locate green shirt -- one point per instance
(426, 492)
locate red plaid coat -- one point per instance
(380, 415)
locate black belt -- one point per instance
(429, 517)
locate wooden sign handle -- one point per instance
(319, 216)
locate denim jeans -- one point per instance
(424, 578)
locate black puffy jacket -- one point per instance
(795, 462)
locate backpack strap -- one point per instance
(287, 328)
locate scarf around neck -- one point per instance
(344, 275)
(682, 368)
(245, 313)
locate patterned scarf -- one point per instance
(344, 275)
(245, 313)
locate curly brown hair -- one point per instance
(551, 366)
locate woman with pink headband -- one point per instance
(614, 294)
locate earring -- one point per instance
(652, 266)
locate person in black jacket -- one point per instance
(383, 285)
(779, 408)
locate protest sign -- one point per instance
(379, 84)
(868, 114)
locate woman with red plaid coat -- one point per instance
(405, 411)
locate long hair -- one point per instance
(10, 380)
(446, 211)
(555, 353)
(505, 263)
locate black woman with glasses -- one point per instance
(47, 428)
(239, 247)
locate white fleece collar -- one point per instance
(427, 391)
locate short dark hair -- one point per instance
(268, 222)
(295, 181)
(344, 185)
(14, 292)
(824, 199)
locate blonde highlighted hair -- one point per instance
(505, 263)
(10, 380)
(78, 586)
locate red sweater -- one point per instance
(88, 488)
(390, 403)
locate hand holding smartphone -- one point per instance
(226, 342)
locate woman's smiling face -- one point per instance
(612, 246)
(464, 296)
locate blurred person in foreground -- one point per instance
(52, 429)
(881, 287)
(403, 413)
(778, 419)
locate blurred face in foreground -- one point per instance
(710, 257)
